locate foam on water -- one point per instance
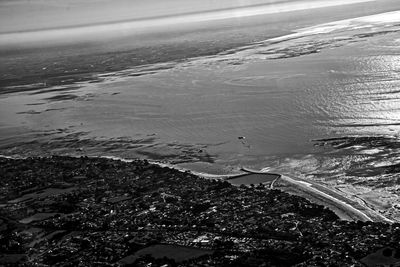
(371, 151)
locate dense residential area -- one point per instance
(65, 211)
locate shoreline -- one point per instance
(306, 189)
(83, 205)
(342, 208)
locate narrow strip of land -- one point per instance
(344, 207)
(344, 210)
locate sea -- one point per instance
(315, 98)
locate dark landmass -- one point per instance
(64, 211)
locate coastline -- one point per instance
(187, 112)
(59, 206)
(343, 207)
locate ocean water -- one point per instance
(321, 103)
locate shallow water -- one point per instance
(253, 179)
(260, 105)
(233, 109)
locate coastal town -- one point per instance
(66, 211)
